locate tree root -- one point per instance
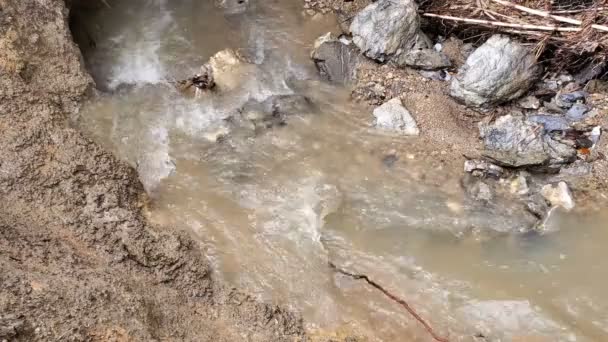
(393, 297)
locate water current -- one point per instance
(271, 207)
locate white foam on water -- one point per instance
(154, 162)
(140, 60)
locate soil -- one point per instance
(78, 260)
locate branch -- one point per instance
(549, 15)
(402, 302)
(503, 24)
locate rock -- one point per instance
(568, 99)
(550, 122)
(232, 6)
(498, 71)
(387, 28)
(481, 191)
(529, 102)
(228, 69)
(537, 205)
(426, 59)
(519, 185)
(577, 112)
(393, 116)
(437, 75)
(514, 142)
(287, 105)
(336, 60)
(275, 110)
(559, 195)
(482, 168)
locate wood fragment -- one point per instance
(549, 15)
(393, 297)
(503, 24)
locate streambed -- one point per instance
(272, 207)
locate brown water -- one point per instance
(272, 208)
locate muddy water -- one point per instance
(272, 207)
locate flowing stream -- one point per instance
(271, 207)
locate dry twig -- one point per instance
(549, 15)
(402, 302)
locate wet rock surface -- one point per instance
(498, 71)
(79, 260)
(336, 60)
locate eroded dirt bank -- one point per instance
(78, 261)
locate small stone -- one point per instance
(393, 116)
(577, 112)
(559, 195)
(519, 185)
(481, 191)
(529, 102)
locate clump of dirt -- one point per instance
(78, 259)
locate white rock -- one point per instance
(393, 116)
(559, 195)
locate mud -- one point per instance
(78, 260)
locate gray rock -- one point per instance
(529, 102)
(437, 75)
(481, 191)
(498, 71)
(426, 59)
(275, 110)
(336, 60)
(482, 168)
(577, 112)
(514, 142)
(568, 99)
(393, 116)
(387, 28)
(550, 122)
(558, 195)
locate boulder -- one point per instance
(387, 28)
(336, 60)
(500, 70)
(558, 195)
(512, 141)
(393, 116)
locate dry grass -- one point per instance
(569, 34)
